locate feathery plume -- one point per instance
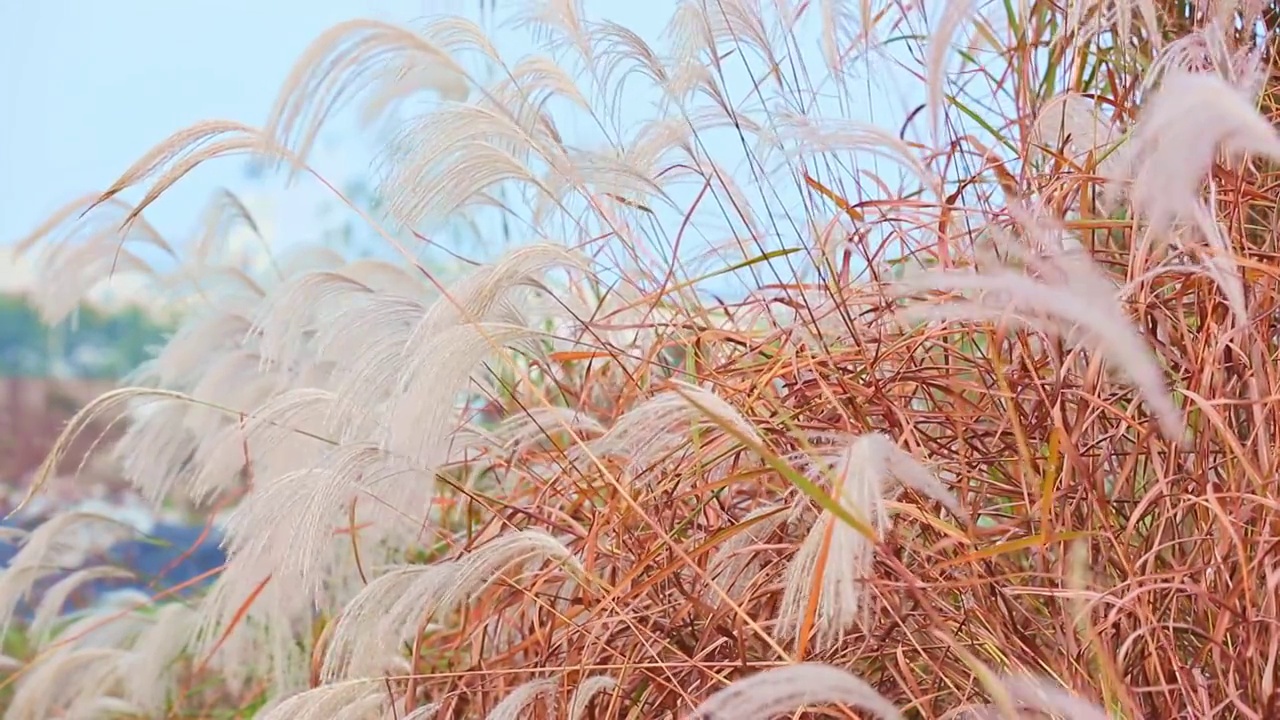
(1045, 696)
(537, 423)
(356, 54)
(664, 422)
(868, 473)
(285, 524)
(1183, 126)
(328, 701)
(1074, 300)
(424, 712)
(184, 151)
(65, 681)
(1040, 695)
(773, 692)
(954, 14)
(1075, 124)
(422, 416)
(397, 603)
(586, 691)
(115, 621)
(62, 542)
(515, 705)
(734, 558)
(154, 658)
(1190, 119)
(83, 252)
(1087, 19)
(51, 605)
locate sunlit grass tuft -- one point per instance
(771, 408)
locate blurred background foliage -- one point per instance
(97, 344)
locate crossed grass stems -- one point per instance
(1093, 547)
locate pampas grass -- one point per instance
(769, 410)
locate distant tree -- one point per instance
(24, 339)
(94, 344)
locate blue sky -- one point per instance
(89, 87)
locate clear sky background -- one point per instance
(87, 87)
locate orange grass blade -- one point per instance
(1013, 546)
(239, 617)
(853, 212)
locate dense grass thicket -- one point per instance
(769, 412)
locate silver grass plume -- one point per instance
(424, 414)
(152, 665)
(1073, 299)
(1189, 121)
(400, 601)
(653, 428)
(517, 702)
(869, 471)
(83, 254)
(66, 681)
(60, 543)
(423, 712)
(406, 330)
(773, 692)
(395, 605)
(328, 702)
(734, 559)
(535, 424)
(51, 604)
(1043, 697)
(586, 691)
(116, 621)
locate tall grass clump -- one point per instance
(768, 410)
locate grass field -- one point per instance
(827, 419)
